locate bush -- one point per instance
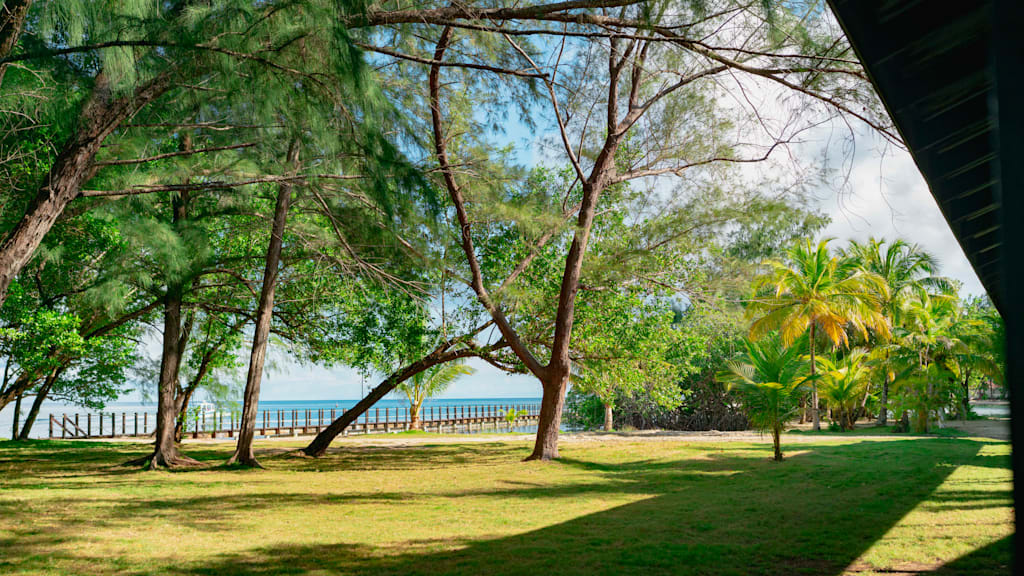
(705, 406)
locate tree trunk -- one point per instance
(777, 442)
(803, 408)
(250, 402)
(815, 419)
(17, 417)
(323, 440)
(100, 116)
(165, 450)
(883, 412)
(181, 407)
(609, 417)
(414, 417)
(33, 412)
(924, 413)
(552, 401)
(22, 383)
(184, 397)
(12, 18)
(966, 407)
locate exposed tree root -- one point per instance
(164, 459)
(244, 461)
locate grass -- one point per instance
(835, 506)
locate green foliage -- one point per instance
(431, 382)
(812, 287)
(842, 384)
(512, 415)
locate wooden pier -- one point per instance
(275, 423)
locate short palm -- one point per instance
(843, 384)
(430, 383)
(769, 377)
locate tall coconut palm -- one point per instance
(843, 383)
(909, 272)
(427, 384)
(815, 292)
(769, 377)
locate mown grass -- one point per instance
(853, 505)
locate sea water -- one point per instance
(42, 424)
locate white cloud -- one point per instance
(888, 198)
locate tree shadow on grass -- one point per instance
(714, 515)
(720, 515)
(719, 512)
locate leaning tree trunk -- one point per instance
(17, 417)
(22, 383)
(244, 454)
(609, 417)
(181, 407)
(100, 116)
(318, 447)
(37, 404)
(550, 420)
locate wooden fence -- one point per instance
(455, 419)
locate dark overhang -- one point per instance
(951, 74)
(931, 62)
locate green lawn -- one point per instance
(851, 505)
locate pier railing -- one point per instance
(455, 419)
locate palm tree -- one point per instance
(982, 353)
(930, 338)
(427, 384)
(909, 272)
(843, 383)
(769, 377)
(811, 291)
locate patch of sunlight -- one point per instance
(722, 473)
(971, 509)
